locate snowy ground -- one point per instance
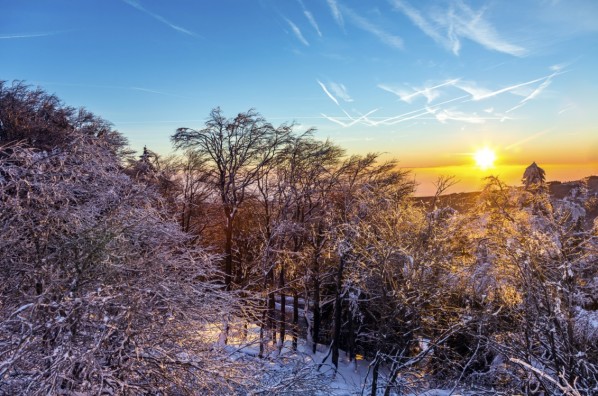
(352, 378)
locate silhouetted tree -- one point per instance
(237, 149)
(533, 177)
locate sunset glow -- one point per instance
(485, 158)
(420, 82)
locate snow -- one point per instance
(586, 324)
(22, 308)
(284, 364)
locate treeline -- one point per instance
(114, 264)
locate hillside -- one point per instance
(582, 192)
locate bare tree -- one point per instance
(237, 150)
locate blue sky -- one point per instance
(427, 82)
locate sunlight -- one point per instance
(484, 158)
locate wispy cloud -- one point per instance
(298, 33)
(448, 26)
(365, 119)
(157, 92)
(135, 4)
(364, 24)
(310, 18)
(419, 113)
(312, 21)
(430, 93)
(117, 87)
(445, 115)
(327, 92)
(336, 12)
(418, 19)
(353, 120)
(528, 139)
(532, 95)
(422, 113)
(480, 93)
(340, 91)
(566, 108)
(26, 35)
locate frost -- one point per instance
(22, 308)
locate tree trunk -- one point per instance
(228, 253)
(283, 306)
(271, 306)
(375, 377)
(261, 352)
(337, 312)
(351, 340)
(295, 319)
(316, 303)
(394, 372)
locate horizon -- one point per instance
(427, 83)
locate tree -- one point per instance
(530, 288)
(237, 149)
(100, 290)
(533, 177)
(301, 184)
(44, 122)
(356, 178)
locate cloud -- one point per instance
(340, 91)
(410, 115)
(364, 24)
(430, 93)
(457, 22)
(336, 12)
(480, 93)
(327, 92)
(527, 139)
(403, 117)
(312, 21)
(157, 92)
(298, 33)
(363, 119)
(536, 92)
(421, 22)
(445, 115)
(135, 4)
(567, 108)
(26, 35)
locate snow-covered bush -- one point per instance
(100, 292)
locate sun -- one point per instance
(484, 158)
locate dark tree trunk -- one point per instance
(228, 253)
(351, 340)
(336, 335)
(375, 377)
(283, 306)
(316, 286)
(392, 378)
(261, 353)
(295, 319)
(271, 304)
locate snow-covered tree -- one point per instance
(237, 149)
(101, 294)
(534, 177)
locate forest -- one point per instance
(260, 259)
